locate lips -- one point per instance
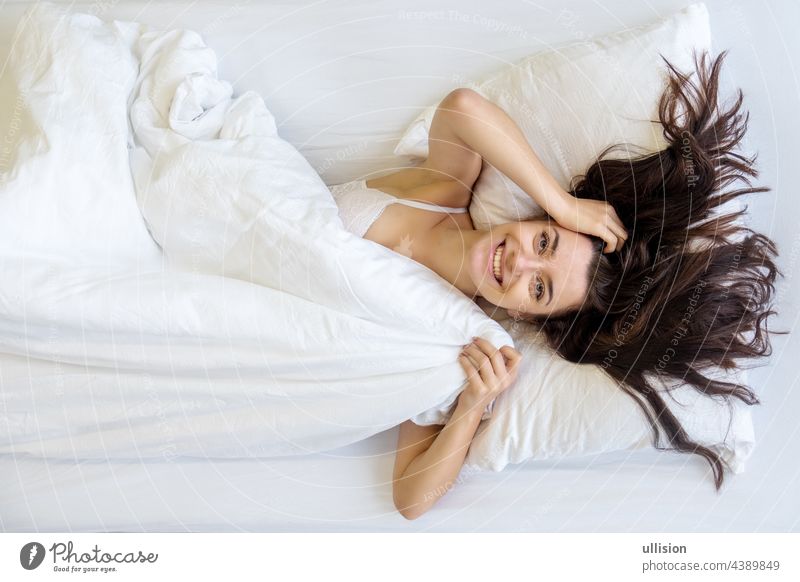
(490, 262)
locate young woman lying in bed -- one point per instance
(652, 215)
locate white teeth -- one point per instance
(497, 270)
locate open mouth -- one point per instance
(496, 263)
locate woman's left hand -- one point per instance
(594, 217)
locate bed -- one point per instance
(339, 78)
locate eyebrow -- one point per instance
(549, 280)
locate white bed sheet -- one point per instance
(343, 79)
(349, 490)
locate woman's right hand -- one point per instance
(595, 217)
(489, 371)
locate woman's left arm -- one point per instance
(429, 458)
(467, 126)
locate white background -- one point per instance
(343, 79)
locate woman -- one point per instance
(589, 305)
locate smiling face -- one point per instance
(543, 268)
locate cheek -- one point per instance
(521, 296)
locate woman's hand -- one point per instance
(594, 217)
(489, 371)
(428, 458)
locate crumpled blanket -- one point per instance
(175, 280)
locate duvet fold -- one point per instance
(175, 279)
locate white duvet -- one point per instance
(256, 326)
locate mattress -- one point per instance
(343, 80)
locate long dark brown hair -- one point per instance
(692, 288)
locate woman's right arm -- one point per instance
(468, 129)
(429, 458)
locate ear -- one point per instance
(516, 315)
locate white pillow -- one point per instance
(571, 103)
(559, 409)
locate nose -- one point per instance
(523, 260)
